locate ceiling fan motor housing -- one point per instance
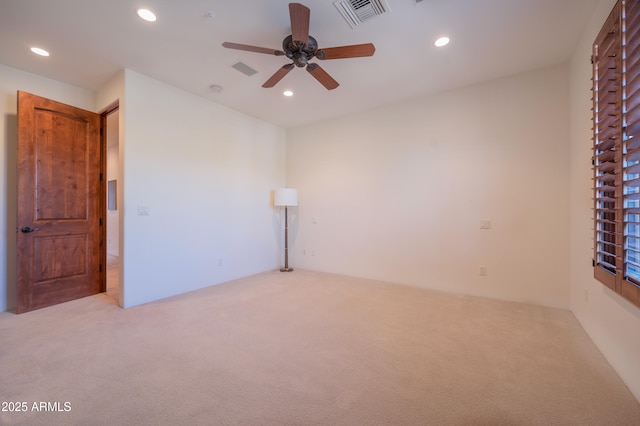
(297, 51)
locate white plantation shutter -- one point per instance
(616, 121)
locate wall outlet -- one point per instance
(219, 261)
(485, 224)
(483, 271)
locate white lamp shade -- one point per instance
(286, 197)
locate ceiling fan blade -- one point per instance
(249, 48)
(299, 15)
(353, 51)
(279, 75)
(322, 76)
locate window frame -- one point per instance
(616, 158)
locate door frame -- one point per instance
(112, 108)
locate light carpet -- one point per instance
(307, 348)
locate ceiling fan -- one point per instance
(301, 48)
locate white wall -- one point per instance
(206, 174)
(398, 193)
(612, 322)
(12, 80)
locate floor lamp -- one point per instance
(286, 197)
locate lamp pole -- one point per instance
(286, 243)
(286, 197)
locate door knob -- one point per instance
(26, 229)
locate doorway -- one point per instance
(61, 208)
(112, 203)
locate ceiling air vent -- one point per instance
(244, 68)
(357, 11)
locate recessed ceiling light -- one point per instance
(39, 51)
(147, 15)
(287, 93)
(442, 41)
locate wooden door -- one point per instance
(59, 241)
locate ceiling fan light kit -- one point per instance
(300, 47)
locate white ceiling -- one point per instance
(91, 40)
